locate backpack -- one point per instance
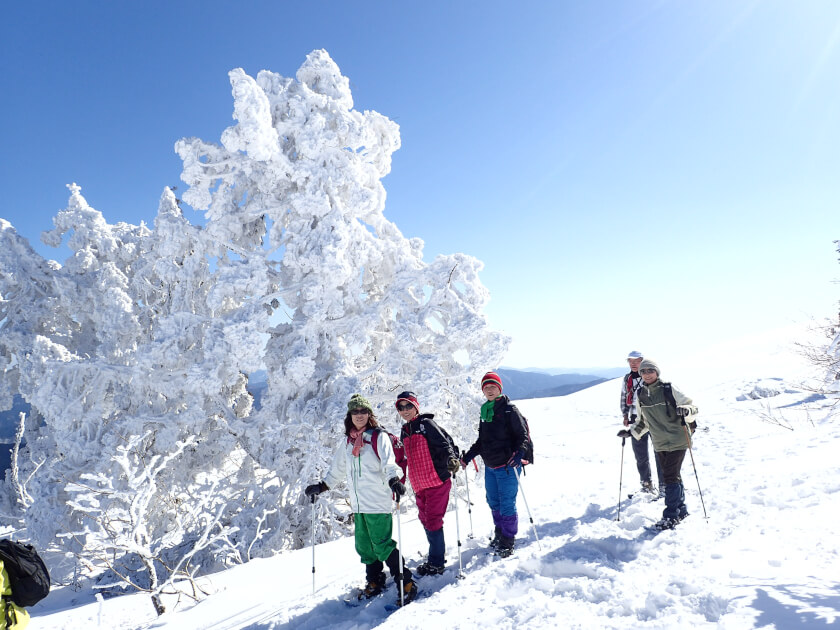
(396, 444)
(669, 398)
(528, 454)
(28, 575)
(529, 447)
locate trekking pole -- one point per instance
(530, 518)
(469, 503)
(691, 452)
(312, 500)
(399, 551)
(620, 479)
(460, 575)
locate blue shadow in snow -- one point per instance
(810, 399)
(787, 616)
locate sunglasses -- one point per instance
(359, 412)
(647, 371)
(404, 406)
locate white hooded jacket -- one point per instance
(366, 475)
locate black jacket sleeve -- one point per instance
(441, 448)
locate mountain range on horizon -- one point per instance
(603, 372)
(523, 384)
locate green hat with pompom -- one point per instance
(357, 401)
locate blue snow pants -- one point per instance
(501, 487)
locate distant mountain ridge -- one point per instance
(604, 372)
(518, 384)
(522, 384)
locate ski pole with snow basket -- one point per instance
(312, 500)
(469, 503)
(620, 478)
(399, 550)
(530, 518)
(460, 575)
(691, 452)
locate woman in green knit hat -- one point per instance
(372, 475)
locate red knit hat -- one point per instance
(491, 377)
(407, 397)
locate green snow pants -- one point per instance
(373, 537)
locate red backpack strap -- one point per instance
(374, 442)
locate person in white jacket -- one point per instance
(371, 475)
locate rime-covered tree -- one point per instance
(360, 309)
(134, 341)
(134, 355)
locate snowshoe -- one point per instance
(665, 523)
(430, 569)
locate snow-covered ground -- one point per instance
(766, 556)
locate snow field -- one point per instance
(764, 557)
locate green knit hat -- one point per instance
(357, 401)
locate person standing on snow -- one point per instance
(502, 443)
(432, 461)
(667, 418)
(630, 384)
(371, 477)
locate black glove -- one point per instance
(515, 460)
(315, 489)
(396, 487)
(683, 411)
(624, 433)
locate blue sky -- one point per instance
(652, 175)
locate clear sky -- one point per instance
(636, 174)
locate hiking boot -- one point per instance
(430, 569)
(661, 492)
(494, 542)
(647, 486)
(505, 546)
(375, 585)
(409, 592)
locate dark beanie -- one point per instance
(491, 377)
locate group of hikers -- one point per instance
(365, 459)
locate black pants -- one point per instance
(376, 574)
(640, 450)
(671, 463)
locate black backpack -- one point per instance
(28, 575)
(528, 455)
